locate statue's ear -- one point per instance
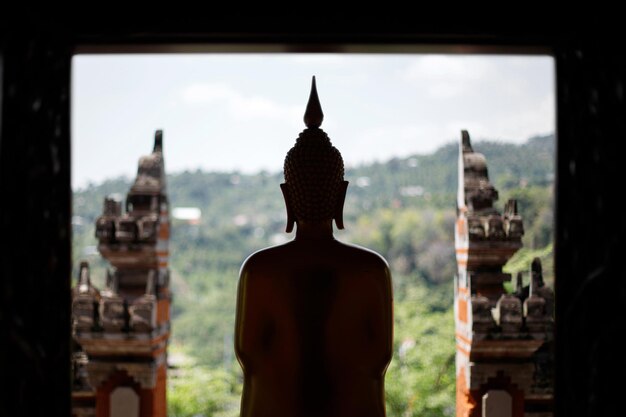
(290, 218)
(341, 198)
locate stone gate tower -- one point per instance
(503, 340)
(122, 332)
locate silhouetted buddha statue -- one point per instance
(314, 316)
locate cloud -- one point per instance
(440, 67)
(539, 118)
(445, 77)
(511, 126)
(207, 93)
(238, 105)
(365, 145)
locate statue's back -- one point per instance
(317, 337)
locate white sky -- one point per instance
(244, 111)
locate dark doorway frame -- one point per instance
(35, 68)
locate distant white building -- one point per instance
(190, 215)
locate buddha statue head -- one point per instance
(314, 188)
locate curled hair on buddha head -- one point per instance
(314, 187)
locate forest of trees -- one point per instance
(403, 208)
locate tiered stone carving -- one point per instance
(508, 314)
(503, 339)
(85, 300)
(142, 311)
(482, 318)
(123, 331)
(106, 223)
(113, 310)
(538, 307)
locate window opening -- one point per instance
(228, 120)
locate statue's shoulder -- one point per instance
(264, 258)
(365, 256)
(289, 254)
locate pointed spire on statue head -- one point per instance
(313, 115)
(313, 169)
(158, 141)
